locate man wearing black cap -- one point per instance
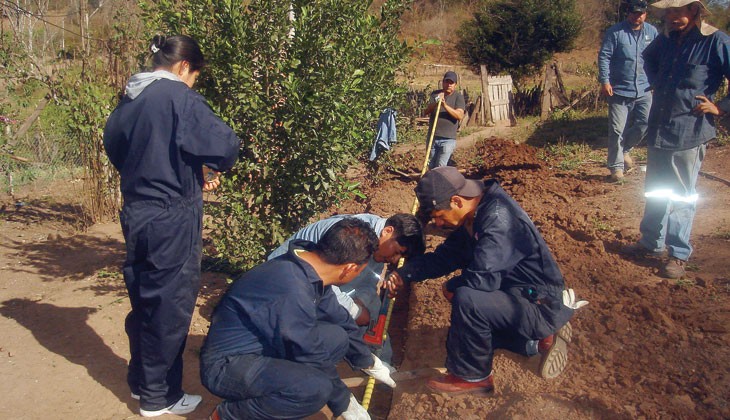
(447, 121)
(510, 293)
(625, 85)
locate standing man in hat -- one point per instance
(510, 293)
(624, 83)
(447, 121)
(686, 65)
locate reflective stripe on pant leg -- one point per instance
(687, 164)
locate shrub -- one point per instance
(304, 105)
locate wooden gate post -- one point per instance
(486, 103)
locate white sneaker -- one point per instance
(135, 396)
(184, 405)
(355, 411)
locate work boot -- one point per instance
(187, 404)
(355, 411)
(455, 385)
(617, 175)
(554, 351)
(638, 250)
(674, 269)
(215, 415)
(628, 162)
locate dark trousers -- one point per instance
(162, 275)
(260, 387)
(484, 321)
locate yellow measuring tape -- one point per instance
(371, 381)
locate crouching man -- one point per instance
(278, 333)
(510, 293)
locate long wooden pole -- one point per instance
(371, 381)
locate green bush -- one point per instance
(518, 36)
(304, 106)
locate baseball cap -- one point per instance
(440, 184)
(450, 75)
(637, 6)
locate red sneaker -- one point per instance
(455, 385)
(554, 351)
(215, 415)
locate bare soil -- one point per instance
(645, 347)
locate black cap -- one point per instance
(450, 75)
(440, 184)
(637, 6)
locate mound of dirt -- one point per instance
(645, 347)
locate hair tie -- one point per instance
(154, 49)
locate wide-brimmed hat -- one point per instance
(660, 8)
(662, 5)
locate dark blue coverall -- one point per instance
(274, 341)
(158, 142)
(509, 291)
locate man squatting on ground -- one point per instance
(447, 121)
(686, 65)
(624, 83)
(158, 138)
(510, 293)
(399, 236)
(276, 336)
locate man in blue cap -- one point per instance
(625, 85)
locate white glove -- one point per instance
(570, 302)
(380, 372)
(355, 411)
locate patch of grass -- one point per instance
(723, 234)
(692, 267)
(567, 156)
(104, 274)
(686, 283)
(601, 225)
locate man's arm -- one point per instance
(452, 254)
(458, 110)
(503, 242)
(604, 64)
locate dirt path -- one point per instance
(644, 347)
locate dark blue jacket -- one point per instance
(159, 141)
(505, 253)
(275, 310)
(679, 70)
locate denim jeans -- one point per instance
(671, 200)
(627, 126)
(260, 387)
(441, 151)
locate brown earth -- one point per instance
(645, 347)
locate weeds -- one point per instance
(601, 225)
(724, 235)
(686, 283)
(567, 156)
(104, 274)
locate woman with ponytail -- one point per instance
(161, 138)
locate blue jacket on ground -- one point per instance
(620, 62)
(678, 73)
(276, 309)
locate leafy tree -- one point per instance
(303, 102)
(518, 36)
